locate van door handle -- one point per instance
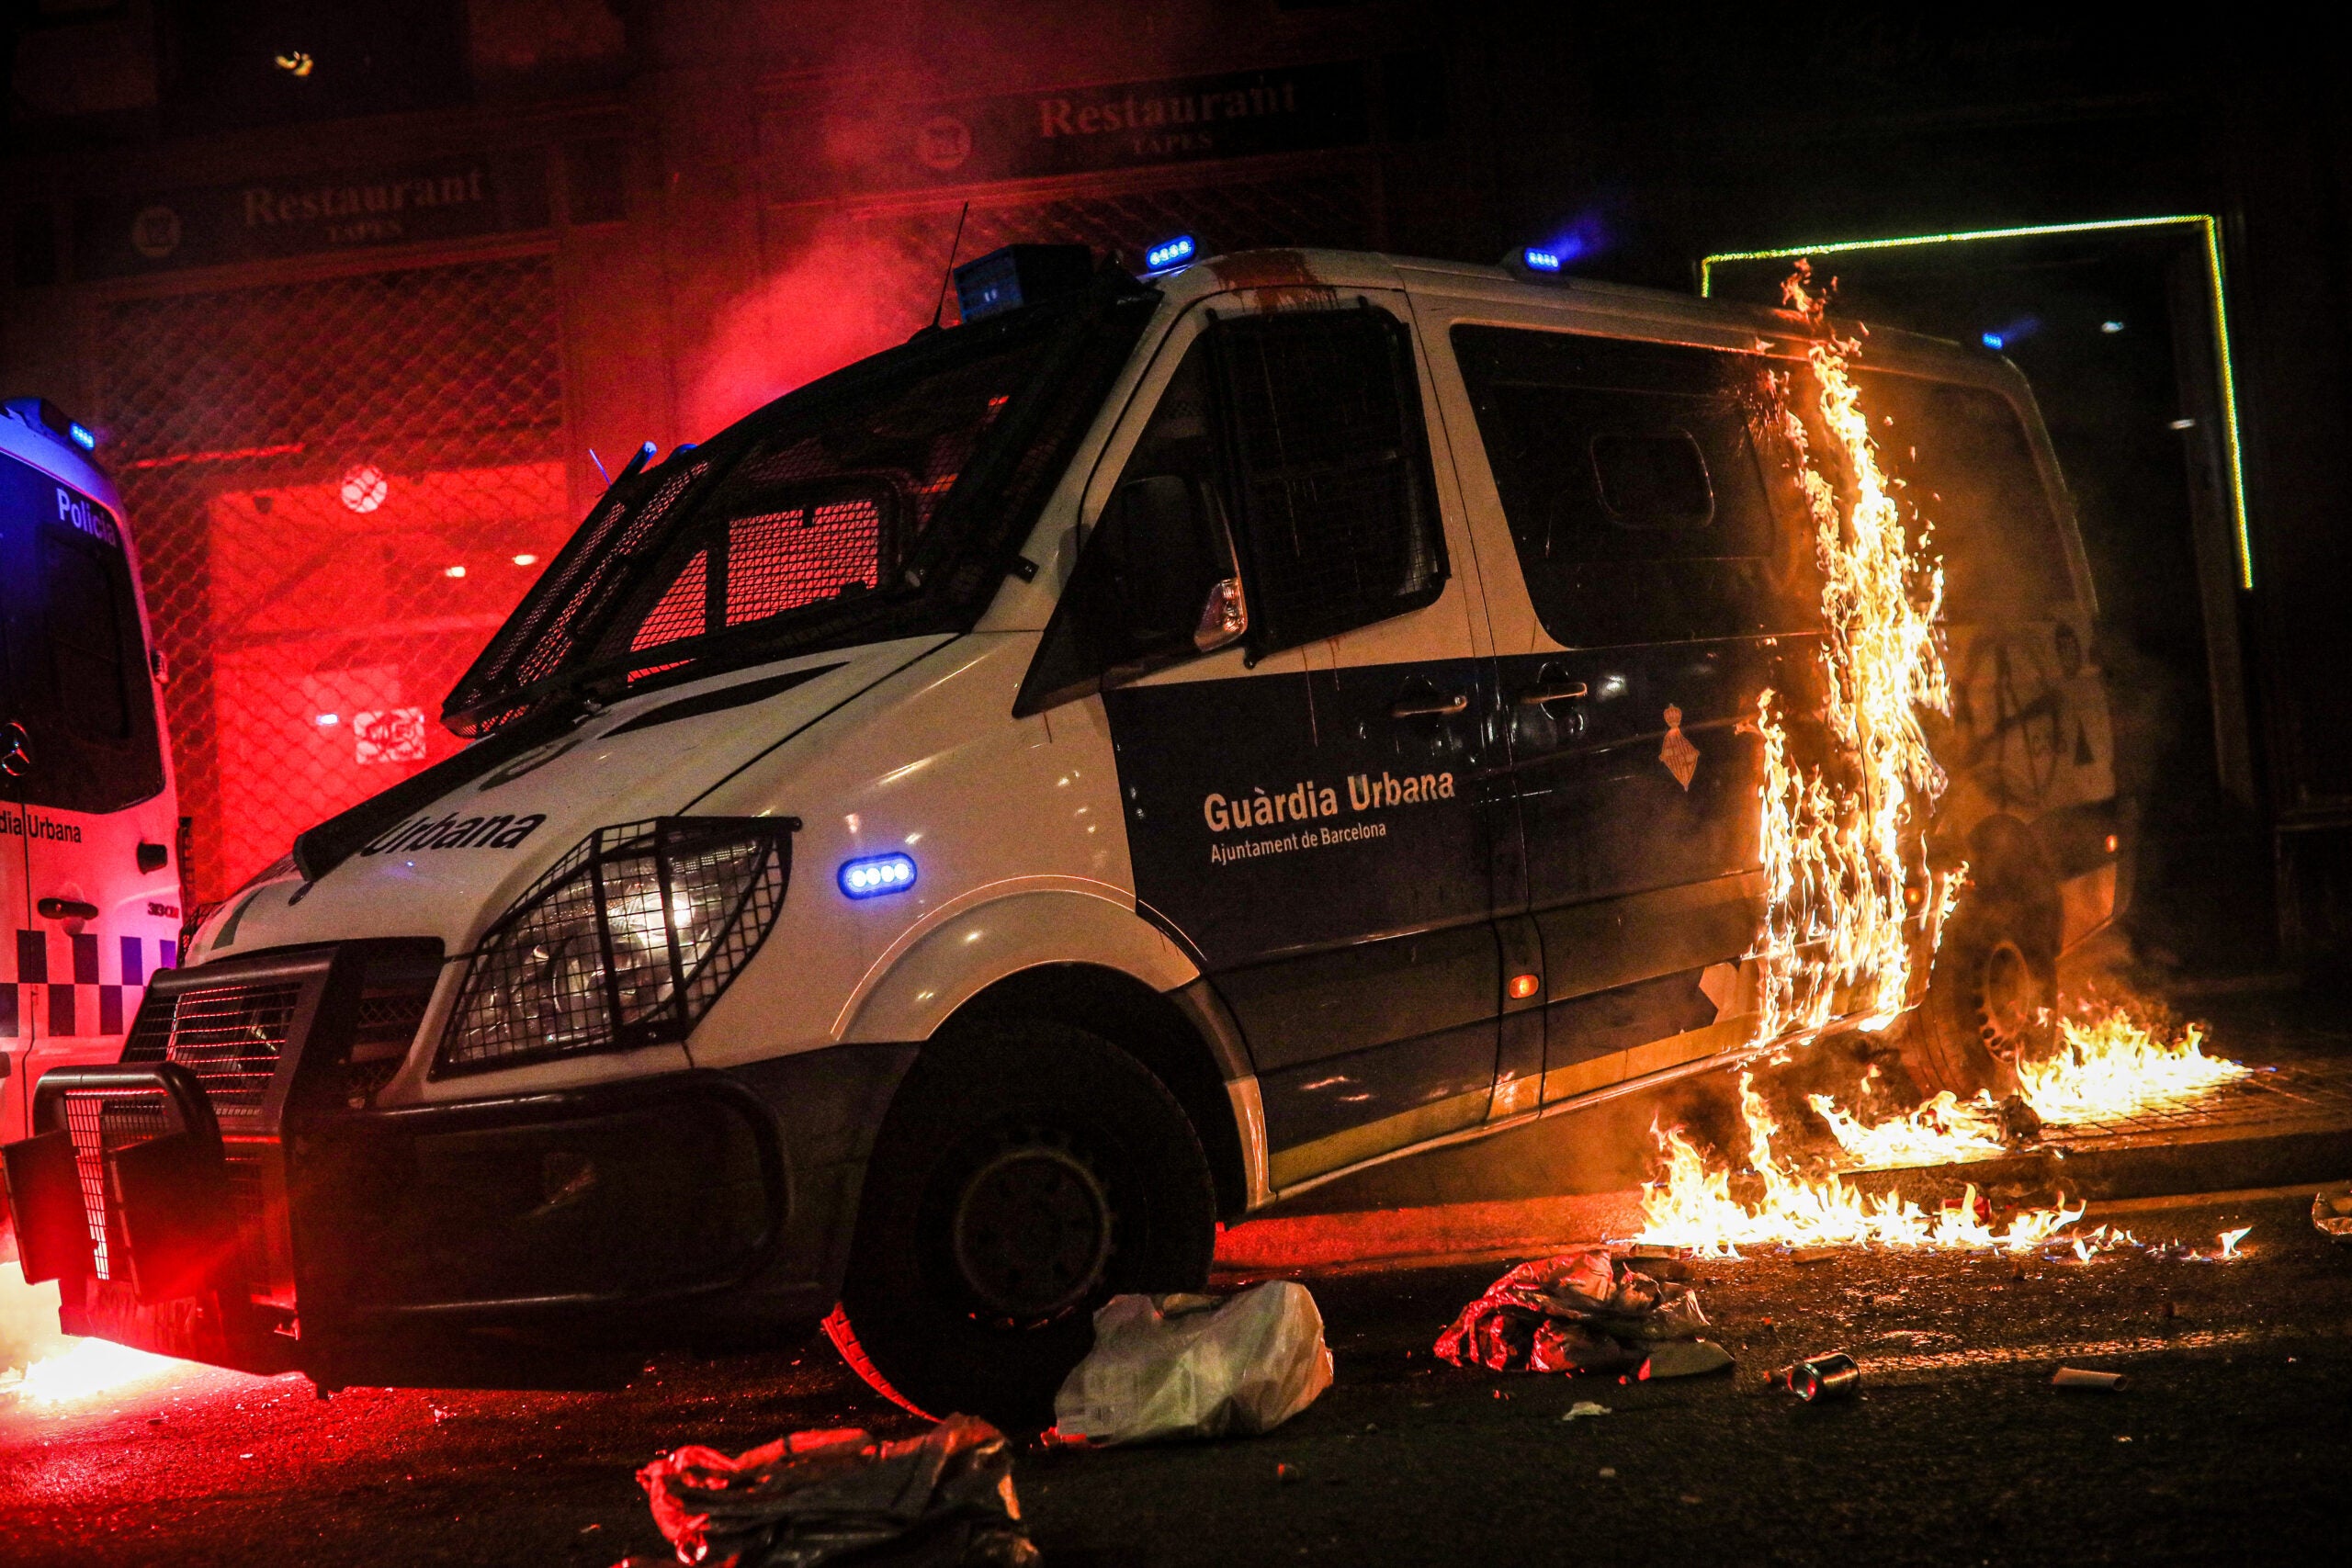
(1429, 707)
(66, 909)
(1536, 697)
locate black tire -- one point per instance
(1026, 1172)
(1996, 976)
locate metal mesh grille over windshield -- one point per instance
(881, 500)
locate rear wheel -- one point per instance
(1026, 1172)
(1995, 975)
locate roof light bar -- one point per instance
(2209, 234)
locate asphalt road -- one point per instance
(2233, 1439)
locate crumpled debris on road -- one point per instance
(1587, 1311)
(942, 1500)
(1194, 1366)
(2332, 1212)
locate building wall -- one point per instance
(667, 211)
(358, 374)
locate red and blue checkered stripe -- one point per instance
(59, 975)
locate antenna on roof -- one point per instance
(940, 303)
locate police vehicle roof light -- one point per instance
(873, 875)
(1538, 260)
(1170, 254)
(42, 414)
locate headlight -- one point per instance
(627, 942)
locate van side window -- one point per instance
(1629, 474)
(1335, 505)
(1962, 455)
(1159, 572)
(85, 640)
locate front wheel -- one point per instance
(1026, 1172)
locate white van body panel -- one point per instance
(1014, 828)
(604, 773)
(83, 857)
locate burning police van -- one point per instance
(933, 852)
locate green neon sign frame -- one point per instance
(2209, 234)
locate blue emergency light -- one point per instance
(44, 415)
(1992, 340)
(1536, 260)
(1170, 254)
(873, 875)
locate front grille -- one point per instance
(387, 1018)
(231, 1037)
(99, 1123)
(249, 1207)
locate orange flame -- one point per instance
(1843, 867)
(92, 1367)
(2114, 1067)
(61, 1370)
(1692, 1206)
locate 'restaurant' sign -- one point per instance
(265, 217)
(1060, 131)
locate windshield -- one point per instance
(883, 500)
(72, 668)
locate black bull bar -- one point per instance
(536, 1239)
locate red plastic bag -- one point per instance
(1587, 1311)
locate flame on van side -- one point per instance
(1845, 868)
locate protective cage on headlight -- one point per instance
(626, 941)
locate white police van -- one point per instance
(936, 850)
(89, 894)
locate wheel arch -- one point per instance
(2008, 861)
(1078, 955)
(1183, 1038)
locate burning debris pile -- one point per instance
(1694, 1206)
(2107, 1065)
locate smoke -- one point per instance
(28, 1320)
(850, 278)
(841, 298)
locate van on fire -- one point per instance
(89, 887)
(934, 851)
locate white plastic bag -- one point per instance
(1188, 1366)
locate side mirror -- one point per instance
(1224, 619)
(1172, 566)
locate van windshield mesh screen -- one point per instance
(882, 501)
